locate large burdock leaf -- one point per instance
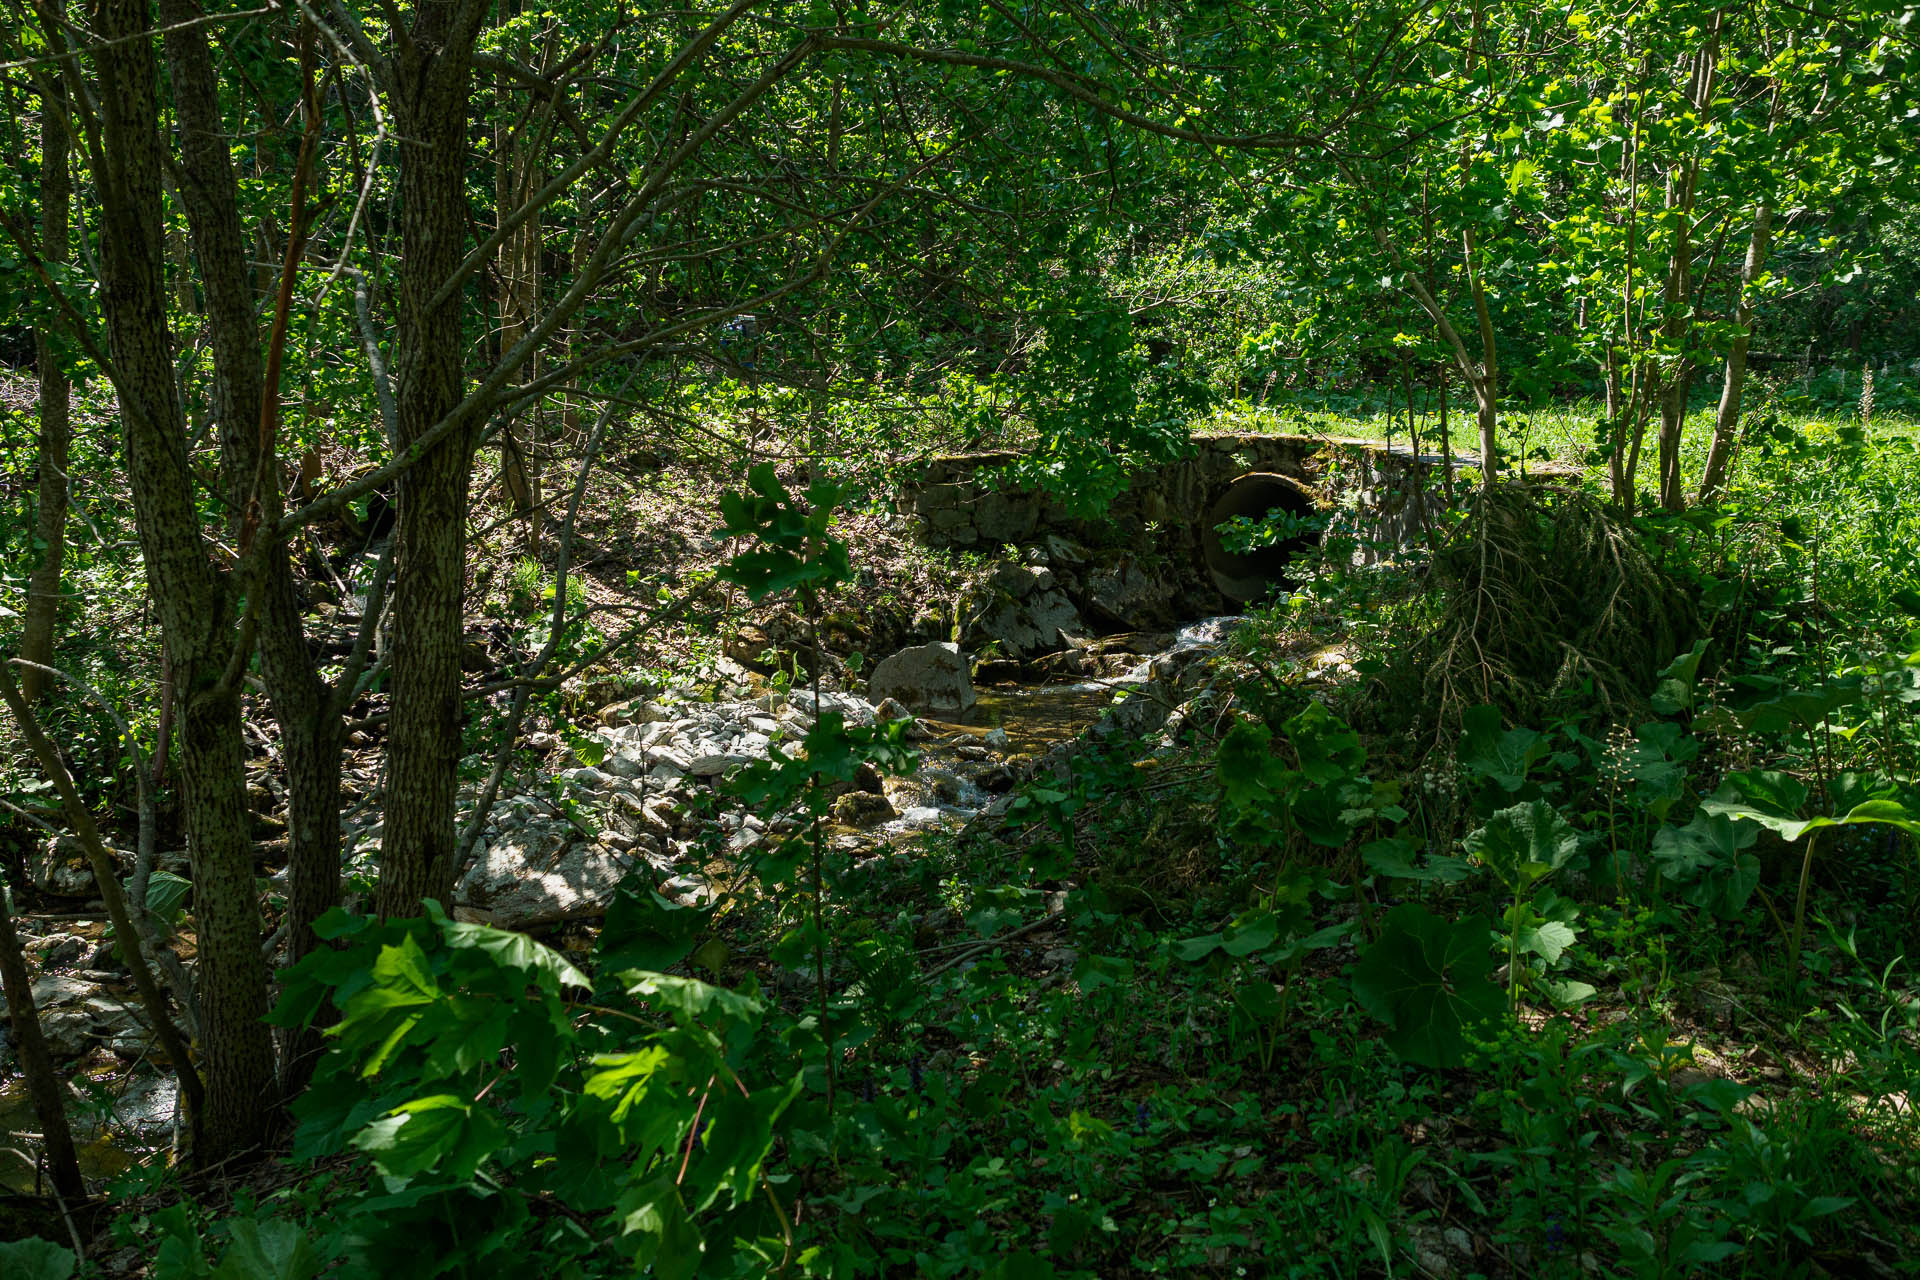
(1329, 751)
(36, 1259)
(1774, 800)
(1505, 757)
(1430, 980)
(1525, 843)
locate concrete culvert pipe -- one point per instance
(1256, 495)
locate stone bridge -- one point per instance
(1156, 558)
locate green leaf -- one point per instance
(442, 1133)
(1329, 751)
(1674, 692)
(659, 1233)
(587, 749)
(692, 999)
(1548, 939)
(1507, 757)
(542, 966)
(1711, 840)
(1393, 857)
(167, 896)
(1524, 844)
(1428, 979)
(268, 1249)
(646, 931)
(36, 1259)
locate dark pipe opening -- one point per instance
(1243, 577)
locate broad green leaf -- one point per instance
(1674, 692)
(36, 1259)
(442, 1133)
(1710, 840)
(167, 896)
(543, 966)
(1507, 757)
(1525, 843)
(268, 1249)
(646, 931)
(1393, 857)
(657, 1230)
(1329, 751)
(690, 998)
(1428, 979)
(1548, 939)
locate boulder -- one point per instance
(929, 677)
(60, 868)
(631, 712)
(1043, 622)
(863, 809)
(536, 875)
(1006, 517)
(1125, 595)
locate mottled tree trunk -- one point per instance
(310, 727)
(42, 619)
(433, 71)
(194, 601)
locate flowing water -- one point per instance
(124, 1118)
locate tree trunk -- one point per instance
(1726, 423)
(433, 72)
(56, 421)
(310, 729)
(36, 1064)
(1673, 425)
(194, 602)
(1485, 380)
(518, 266)
(1680, 292)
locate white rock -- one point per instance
(927, 677)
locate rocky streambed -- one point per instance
(654, 800)
(653, 804)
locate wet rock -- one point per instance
(930, 677)
(863, 809)
(889, 710)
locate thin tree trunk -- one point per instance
(36, 1064)
(1726, 423)
(194, 601)
(1680, 292)
(56, 417)
(310, 728)
(433, 71)
(518, 267)
(1484, 380)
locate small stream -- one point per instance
(966, 767)
(127, 1118)
(1009, 724)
